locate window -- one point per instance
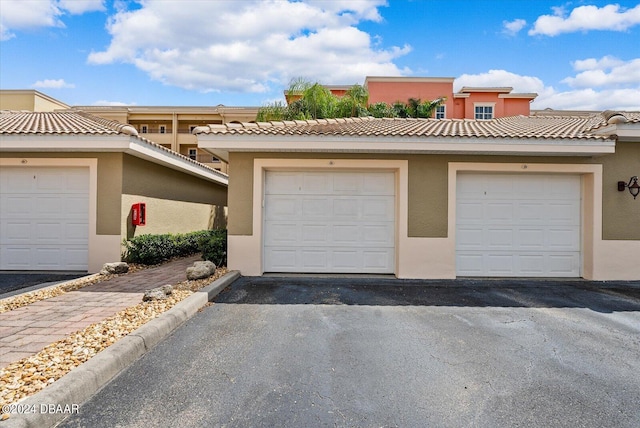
(440, 112)
(483, 112)
(144, 129)
(193, 154)
(163, 129)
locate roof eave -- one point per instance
(131, 145)
(223, 145)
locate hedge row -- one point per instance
(154, 249)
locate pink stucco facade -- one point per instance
(458, 105)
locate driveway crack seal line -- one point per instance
(84, 381)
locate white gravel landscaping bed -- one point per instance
(27, 376)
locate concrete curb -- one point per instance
(84, 381)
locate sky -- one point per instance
(576, 55)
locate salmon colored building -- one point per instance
(468, 103)
(482, 103)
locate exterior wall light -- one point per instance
(633, 186)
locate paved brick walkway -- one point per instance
(27, 330)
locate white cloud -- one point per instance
(33, 14)
(500, 78)
(605, 72)
(590, 99)
(511, 28)
(53, 84)
(610, 96)
(78, 7)
(27, 14)
(250, 46)
(611, 17)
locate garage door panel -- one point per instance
(16, 232)
(343, 222)
(471, 212)
(378, 184)
(315, 233)
(44, 218)
(381, 234)
(531, 212)
(314, 183)
(532, 264)
(518, 225)
(17, 205)
(499, 238)
(531, 239)
(281, 259)
(281, 232)
(16, 258)
(377, 209)
(345, 234)
(282, 183)
(563, 264)
(345, 209)
(380, 260)
(350, 184)
(566, 239)
(470, 237)
(315, 208)
(48, 232)
(563, 212)
(313, 259)
(19, 181)
(470, 262)
(280, 207)
(499, 212)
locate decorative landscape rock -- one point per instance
(201, 270)
(158, 293)
(114, 268)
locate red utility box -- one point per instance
(139, 214)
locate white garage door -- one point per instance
(518, 225)
(329, 222)
(44, 218)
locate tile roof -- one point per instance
(75, 122)
(522, 127)
(62, 122)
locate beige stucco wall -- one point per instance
(428, 186)
(175, 202)
(168, 216)
(28, 99)
(144, 178)
(621, 213)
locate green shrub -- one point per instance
(154, 249)
(214, 247)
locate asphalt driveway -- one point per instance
(15, 282)
(297, 352)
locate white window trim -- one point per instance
(194, 153)
(162, 129)
(444, 112)
(144, 129)
(493, 110)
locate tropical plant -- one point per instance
(309, 100)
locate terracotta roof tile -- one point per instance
(525, 127)
(65, 122)
(74, 122)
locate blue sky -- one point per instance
(576, 55)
